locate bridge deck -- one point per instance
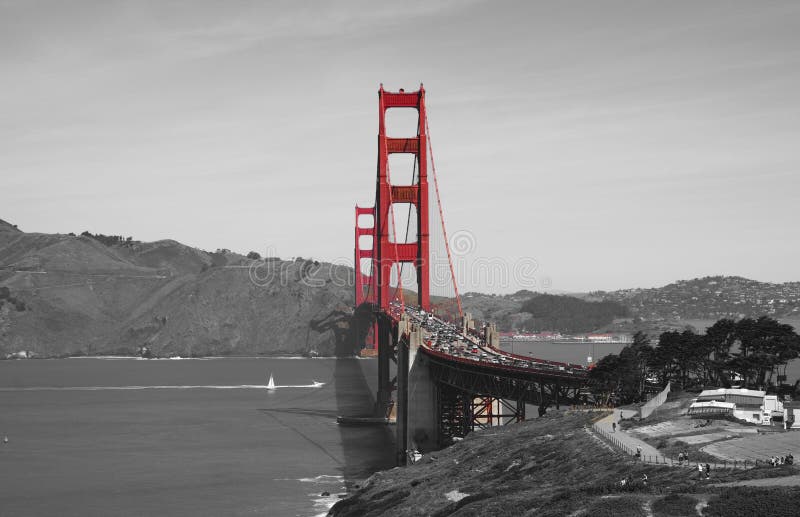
(446, 342)
(527, 373)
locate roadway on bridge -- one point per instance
(444, 339)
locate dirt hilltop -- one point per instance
(66, 295)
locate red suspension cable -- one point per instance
(441, 216)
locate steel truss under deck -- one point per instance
(476, 398)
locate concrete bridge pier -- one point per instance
(423, 423)
(401, 441)
(416, 396)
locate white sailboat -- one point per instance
(271, 383)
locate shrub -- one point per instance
(674, 505)
(747, 502)
(617, 507)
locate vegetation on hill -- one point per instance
(97, 294)
(110, 240)
(5, 297)
(747, 502)
(570, 314)
(527, 311)
(698, 302)
(551, 466)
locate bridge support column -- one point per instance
(423, 423)
(401, 443)
(542, 400)
(555, 392)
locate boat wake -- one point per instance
(269, 386)
(315, 384)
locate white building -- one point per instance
(752, 406)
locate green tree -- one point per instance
(605, 378)
(622, 377)
(764, 345)
(634, 359)
(682, 355)
(717, 343)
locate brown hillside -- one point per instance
(75, 295)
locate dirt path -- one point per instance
(623, 440)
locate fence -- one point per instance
(651, 405)
(672, 462)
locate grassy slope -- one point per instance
(545, 467)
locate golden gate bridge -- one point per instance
(441, 375)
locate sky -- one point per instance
(590, 145)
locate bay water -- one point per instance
(199, 437)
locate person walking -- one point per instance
(613, 427)
(708, 471)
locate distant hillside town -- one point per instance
(711, 297)
(535, 316)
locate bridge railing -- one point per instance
(543, 361)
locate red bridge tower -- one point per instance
(386, 252)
